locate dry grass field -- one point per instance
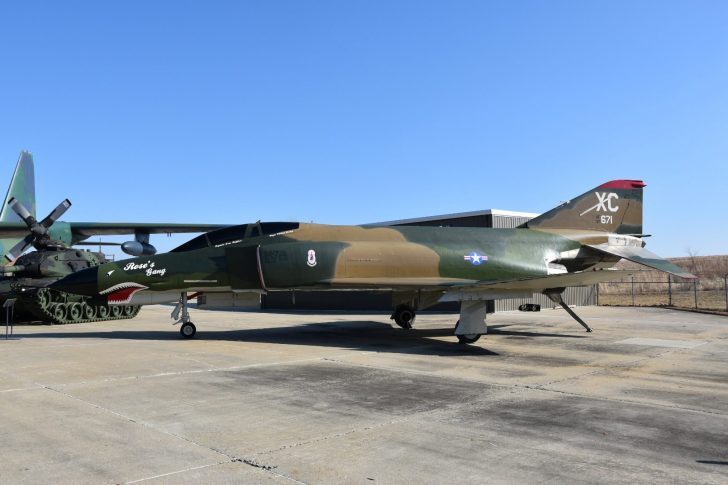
(654, 288)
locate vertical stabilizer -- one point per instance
(613, 207)
(22, 187)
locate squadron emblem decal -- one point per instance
(476, 258)
(604, 203)
(311, 258)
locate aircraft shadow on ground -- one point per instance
(499, 330)
(360, 335)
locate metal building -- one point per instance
(382, 300)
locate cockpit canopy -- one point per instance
(235, 234)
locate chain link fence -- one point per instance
(654, 288)
(702, 294)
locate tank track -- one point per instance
(58, 307)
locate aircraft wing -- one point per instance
(83, 230)
(522, 287)
(541, 283)
(13, 229)
(533, 284)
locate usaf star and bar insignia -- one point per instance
(476, 258)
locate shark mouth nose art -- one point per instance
(122, 293)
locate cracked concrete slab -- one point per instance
(331, 398)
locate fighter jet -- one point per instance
(573, 244)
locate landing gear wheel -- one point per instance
(403, 316)
(188, 330)
(468, 339)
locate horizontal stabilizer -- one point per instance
(645, 257)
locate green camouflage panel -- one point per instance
(22, 187)
(307, 258)
(614, 207)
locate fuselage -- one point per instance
(312, 256)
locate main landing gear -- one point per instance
(188, 329)
(404, 316)
(468, 329)
(472, 321)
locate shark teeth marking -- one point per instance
(121, 294)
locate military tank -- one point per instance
(27, 279)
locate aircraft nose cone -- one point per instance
(84, 282)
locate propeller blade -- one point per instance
(57, 212)
(22, 211)
(19, 248)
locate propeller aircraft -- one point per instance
(25, 277)
(20, 230)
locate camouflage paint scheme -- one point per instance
(567, 246)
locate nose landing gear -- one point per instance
(188, 329)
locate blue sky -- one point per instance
(360, 111)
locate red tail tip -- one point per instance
(623, 184)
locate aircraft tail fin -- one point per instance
(613, 207)
(22, 187)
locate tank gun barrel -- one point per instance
(18, 268)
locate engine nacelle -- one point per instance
(136, 248)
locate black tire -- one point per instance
(403, 316)
(188, 330)
(467, 339)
